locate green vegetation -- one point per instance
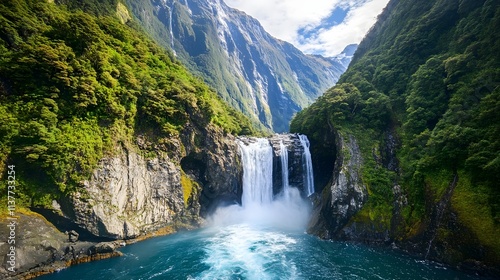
(473, 204)
(188, 188)
(429, 74)
(197, 42)
(75, 81)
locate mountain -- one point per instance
(345, 56)
(104, 133)
(265, 78)
(411, 134)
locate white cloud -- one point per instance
(283, 19)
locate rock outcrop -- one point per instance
(212, 158)
(177, 183)
(339, 214)
(40, 248)
(345, 195)
(129, 195)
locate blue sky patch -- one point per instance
(335, 18)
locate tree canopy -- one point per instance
(75, 80)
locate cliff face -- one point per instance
(416, 100)
(345, 194)
(130, 194)
(213, 160)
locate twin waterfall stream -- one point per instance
(257, 158)
(266, 201)
(263, 238)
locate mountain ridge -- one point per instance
(418, 110)
(266, 78)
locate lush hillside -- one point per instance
(422, 98)
(78, 79)
(265, 78)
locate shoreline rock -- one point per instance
(42, 249)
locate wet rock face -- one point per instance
(346, 193)
(213, 161)
(295, 162)
(223, 175)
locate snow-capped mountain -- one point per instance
(345, 56)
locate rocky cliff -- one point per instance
(265, 78)
(133, 192)
(345, 195)
(416, 102)
(128, 195)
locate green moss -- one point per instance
(377, 216)
(471, 202)
(438, 182)
(189, 187)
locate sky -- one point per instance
(314, 26)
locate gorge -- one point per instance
(267, 79)
(263, 238)
(115, 135)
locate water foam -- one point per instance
(243, 251)
(287, 211)
(252, 241)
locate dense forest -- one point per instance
(80, 77)
(426, 76)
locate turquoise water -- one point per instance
(262, 239)
(245, 251)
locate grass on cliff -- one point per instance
(473, 205)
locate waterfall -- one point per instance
(187, 6)
(284, 170)
(257, 159)
(288, 211)
(171, 30)
(307, 166)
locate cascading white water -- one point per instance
(171, 30)
(257, 158)
(187, 6)
(258, 206)
(284, 170)
(307, 166)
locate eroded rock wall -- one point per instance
(129, 195)
(345, 194)
(148, 186)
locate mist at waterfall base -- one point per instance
(264, 238)
(286, 211)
